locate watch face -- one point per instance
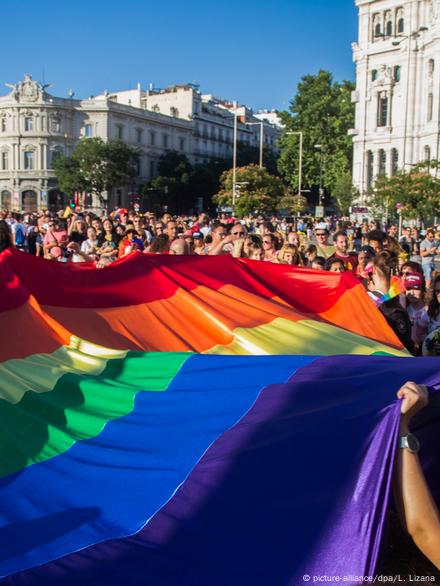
(413, 443)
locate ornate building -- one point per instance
(397, 95)
(35, 127)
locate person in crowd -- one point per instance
(108, 242)
(220, 238)
(349, 259)
(90, 245)
(365, 254)
(429, 249)
(180, 247)
(255, 251)
(416, 506)
(416, 308)
(310, 253)
(376, 239)
(77, 230)
(323, 247)
(160, 245)
(18, 231)
(130, 243)
(393, 230)
(55, 241)
(379, 271)
(335, 265)
(171, 230)
(199, 244)
(434, 305)
(290, 255)
(5, 236)
(269, 242)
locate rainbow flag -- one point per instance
(172, 420)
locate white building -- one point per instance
(397, 95)
(36, 126)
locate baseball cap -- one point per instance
(414, 281)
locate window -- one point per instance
(119, 131)
(431, 66)
(370, 171)
(28, 124)
(6, 200)
(152, 169)
(430, 105)
(28, 160)
(377, 30)
(374, 75)
(174, 112)
(382, 162)
(54, 155)
(401, 25)
(394, 161)
(88, 130)
(382, 110)
(165, 141)
(427, 153)
(152, 138)
(55, 124)
(389, 28)
(5, 161)
(138, 134)
(182, 144)
(397, 73)
(3, 124)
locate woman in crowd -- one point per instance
(416, 308)
(269, 246)
(289, 255)
(55, 240)
(90, 245)
(77, 230)
(5, 236)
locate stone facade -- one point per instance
(397, 95)
(36, 126)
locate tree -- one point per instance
(293, 203)
(96, 166)
(344, 192)
(417, 192)
(258, 191)
(323, 112)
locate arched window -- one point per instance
(382, 162)
(374, 75)
(6, 200)
(389, 28)
(378, 30)
(394, 161)
(370, 170)
(427, 153)
(29, 201)
(397, 71)
(401, 25)
(54, 154)
(28, 123)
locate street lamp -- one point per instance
(300, 134)
(261, 125)
(318, 147)
(409, 37)
(234, 157)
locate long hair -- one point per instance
(434, 305)
(5, 236)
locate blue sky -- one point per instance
(252, 51)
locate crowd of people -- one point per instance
(398, 273)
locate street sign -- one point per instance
(319, 211)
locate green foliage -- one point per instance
(417, 191)
(96, 166)
(258, 190)
(293, 203)
(344, 192)
(323, 111)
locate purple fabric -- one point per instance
(299, 486)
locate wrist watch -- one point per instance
(410, 442)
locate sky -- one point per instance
(254, 52)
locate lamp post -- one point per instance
(234, 157)
(318, 147)
(409, 38)
(300, 134)
(261, 125)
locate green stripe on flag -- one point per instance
(43, 425)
